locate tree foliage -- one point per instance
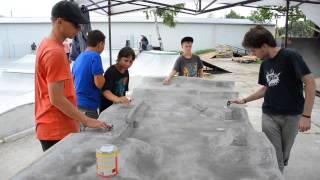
(262, 15)
(298, 25)
(167, 14)
(233, 15)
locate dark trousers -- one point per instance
(46, 144)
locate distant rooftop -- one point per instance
(130, 19)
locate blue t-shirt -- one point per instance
(85, 67)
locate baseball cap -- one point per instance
(187, 39)
(69, 11)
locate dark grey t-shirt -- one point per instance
(188, 67)
(282, 77)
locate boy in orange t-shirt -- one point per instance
(55, 101)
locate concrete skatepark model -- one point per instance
(180, 131)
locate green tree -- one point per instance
(167, 15)
(302, 28)
(262, 15)
(299, 26)
(233, 15)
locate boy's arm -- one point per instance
(257, 95)
(169, 77)
(200, 72)
(115, 99)
(305, 120)
(58, 99)
(99, 81)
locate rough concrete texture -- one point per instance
(17, 120)
(181, 131)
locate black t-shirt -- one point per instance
(115, 82)
(282, 75)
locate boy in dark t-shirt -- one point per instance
(117, 80)
(187, 64)
(282, 75)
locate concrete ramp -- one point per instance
(177, 132)
(153, 63)
(16, 83)
(309, 48)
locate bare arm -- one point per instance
(169, 77)
(305, 121)
(309, 94)
(58, 99)
(99, 81)
(200, 72)
(115, 99)
(257, 95)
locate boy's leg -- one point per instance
(289, 133)
(272, 129)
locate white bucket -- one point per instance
(107, 161)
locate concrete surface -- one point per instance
(153, 63)
(16, 83)
(17, 122)
(170, 132)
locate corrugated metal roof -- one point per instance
(130, 19)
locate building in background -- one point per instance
(16, 34)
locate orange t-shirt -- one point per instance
(52, 65)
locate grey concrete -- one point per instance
(153, 63)
(170, 132)
(16, 155)
(16, 83)
(17, 122)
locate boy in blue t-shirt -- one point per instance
(88, 77)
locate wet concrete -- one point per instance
(181, 131)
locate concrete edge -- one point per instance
(18, 135)
(11, 109)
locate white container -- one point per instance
(107, 161)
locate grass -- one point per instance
(259, 61)
(203, 51)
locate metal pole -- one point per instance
(109, 23)
(287, 20)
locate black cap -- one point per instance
(69, 11)
(187, 39)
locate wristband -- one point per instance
(306, 116)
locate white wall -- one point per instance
(15, 39)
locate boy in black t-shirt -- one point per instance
(117, 80)
(282, 75)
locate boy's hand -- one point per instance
(237, 101)
(304, 124)
(166, 81)
(94, 123)
(124, 100)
